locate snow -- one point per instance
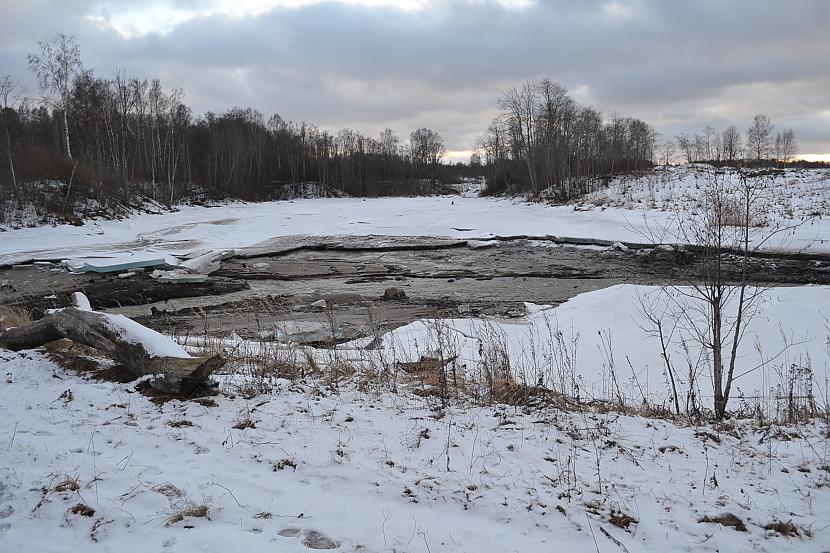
(119, 262)
(387, 472)
(384, 473)
(81, 301)
(791, 195)
(238, 225)
(597, 343)
(206, 263)
(155, 343)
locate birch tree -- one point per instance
(785, 145)
(56, 67)
(9, 96)
(758, 137)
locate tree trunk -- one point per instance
(66, 133)
(11, 158)
(717, 360)
(173, 375)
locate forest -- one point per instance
(122, 140)
(544, 141)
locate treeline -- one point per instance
(125, 137)
(761, 145)
(545, 142)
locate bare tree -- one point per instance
(686, 146)
(556, 112)
(520, 107)
(759, 136)
(785, 145)
(708, 143)
(493, 146)
(667, 152)
(659, 323)
(721, 299)
(427, 149)
(10, 91)
(731, 143)
(56, 66)
(388, 144)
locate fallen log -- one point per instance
(141, 350)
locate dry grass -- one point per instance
(169, 491)
(543, 376)
(726, 519)
(621, 520)
(245, 423)
(13, 317)
(67, 485)
(205, 402)
(195, 511)
(82, 510)
(786, 529)
(510, 392)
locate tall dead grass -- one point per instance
(13, 317)
(545, 373)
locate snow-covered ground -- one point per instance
(789, 195)
(237, 224)
(599, 345)
(93, 465)
(88, 465)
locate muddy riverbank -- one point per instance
(274, 290)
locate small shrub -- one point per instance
(195, 511)
(786, 529)
(179, 424)
(621, 520)
(727, 519)
(82, 510)
(68, 485)
(285, 463)
(243, 424)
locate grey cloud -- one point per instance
(677, 64)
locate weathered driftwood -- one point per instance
(176, 375)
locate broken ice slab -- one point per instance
(120, 262)
(481, 244)
(208, 262)
(178, 276)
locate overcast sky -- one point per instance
(368, 64)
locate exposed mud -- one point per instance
(273, 290)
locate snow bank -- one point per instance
(599, 338)
(384, 474)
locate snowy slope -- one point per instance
(381, 474)
(600, 342)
